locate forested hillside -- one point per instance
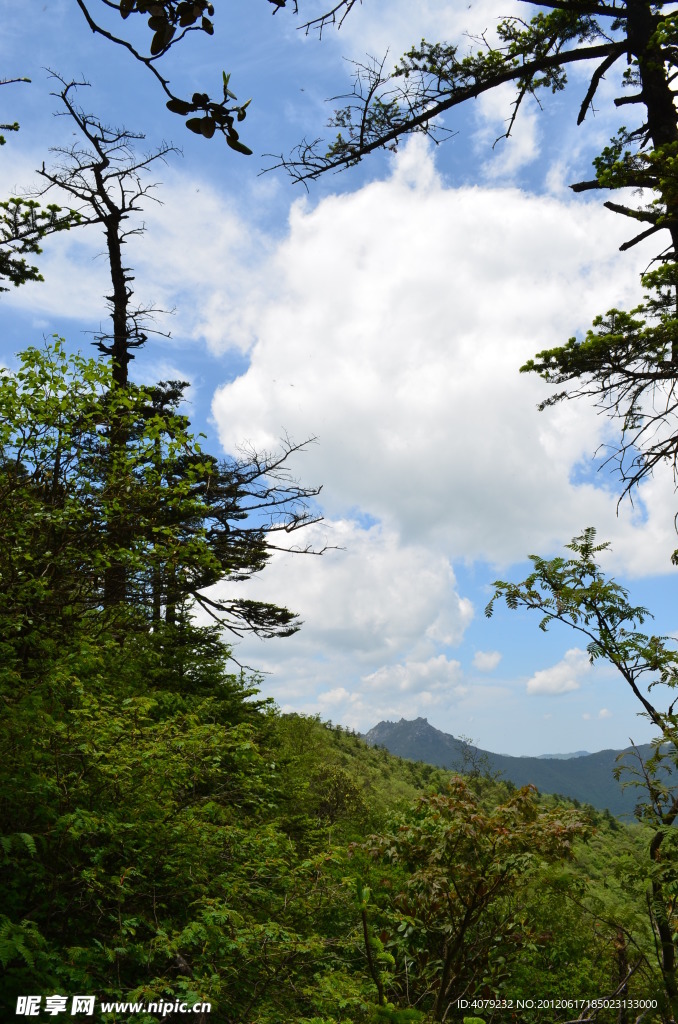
(170, 836)
(171, 843)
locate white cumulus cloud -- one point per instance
(375, 611)
(563, 677)
(436, 674)
(392, 326)
(486, 661)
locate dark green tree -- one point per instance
(242, 502)
(139, 851)
(175, 520)
(24, 224)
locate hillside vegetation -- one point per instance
(190, 842)
(167, 835)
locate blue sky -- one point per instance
(384, 313)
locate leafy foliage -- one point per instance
(23, 224)
(454, 919)
(169, 22)
(575, 592)
(164, 833)
(76, 502)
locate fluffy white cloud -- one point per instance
(403, 690)
(433, 687)
(563, 677)
(486, 661)
(373, 600)
(393, 327)
(502, 161)
(436, 674)
(376, 613)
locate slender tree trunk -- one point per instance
(664, 931)
(452, 954)
(120, 353)
(115, 577)
(662, 122)
(373, 969)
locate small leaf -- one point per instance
(227, 92)
(179, 106)
(158, 43)
(238, 146)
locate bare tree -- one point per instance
(105, 179)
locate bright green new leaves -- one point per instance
(74, 502)
(95, 479)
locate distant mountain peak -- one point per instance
(581, 776)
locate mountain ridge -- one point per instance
(559, 757)
(585, 777)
